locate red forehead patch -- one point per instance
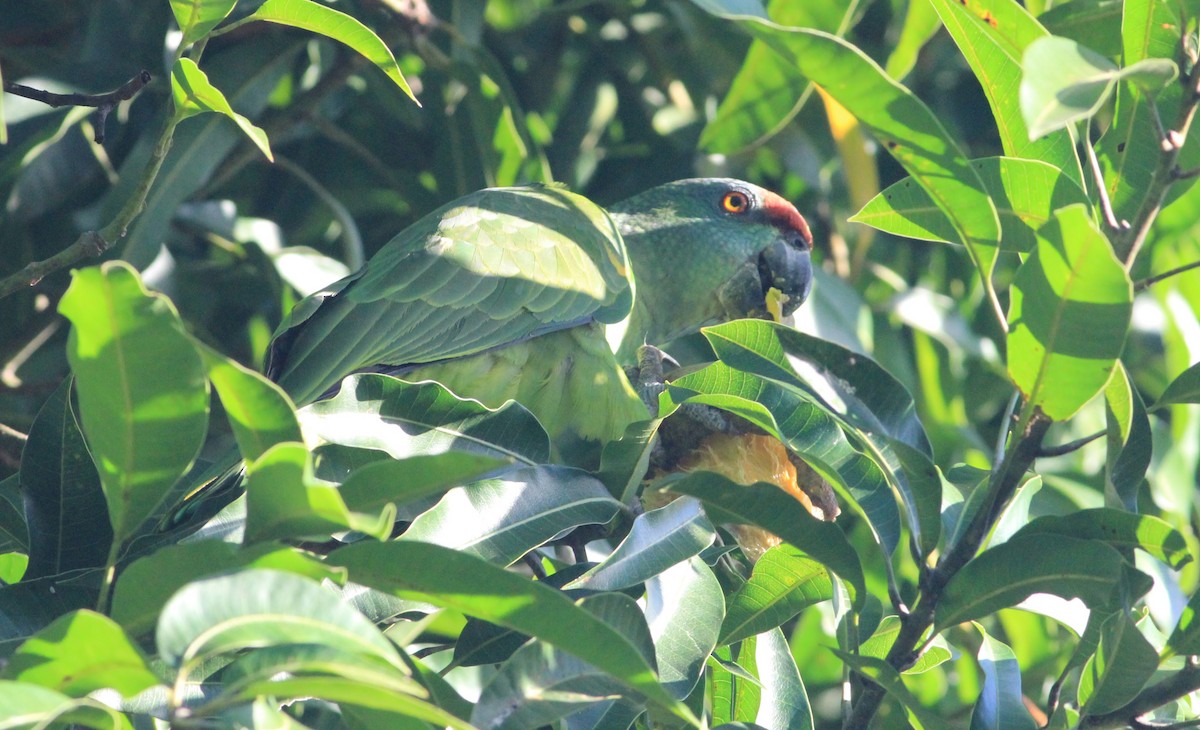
(784, 215)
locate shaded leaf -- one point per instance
(1123, 663)
(1183, 389)
(771, 508)
(1129, 439)
(478, 588)
(1122, 530)
(1000, 705)
(401, 481)
(883, 674)
(657, 540)
(197, 17)
(1009, 573)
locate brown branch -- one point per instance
(104, 103)
(88, 244)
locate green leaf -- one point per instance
(807, 430)
(197, 17)
(79, 653)
(684, 608)
(784, 582)
(1065, 82)
(993, 35)
(194, 94)
(145, 586)
(1026, 193)
(1129, 439)
(501, 519)
(657, 540)
(625, 462)
(409, 419)
(783, 703)
(60, 491)
(773, 509)
(872, 405)
(340, 27)
(898, 119)
(768, 90)
(477, 588)
(733, 688)
(541, 684)
(258, 410)
(1119, 669)
(1093, 23)
(261, 608)
(1183, 389)
(1000, 705)
(1185, 638)
(1009, 573)
(143, 398)
(401, 481)
(1069, 315)
(285, 500)
(1122, 530)
(24, 705)
(14, 532)
(921, 23)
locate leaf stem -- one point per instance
(1152, 280)
(1105, 204)
(1129, 242)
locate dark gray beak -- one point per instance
(787, 266)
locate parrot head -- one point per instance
(709, 250)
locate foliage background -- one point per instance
(609, 98)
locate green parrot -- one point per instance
(536, 294)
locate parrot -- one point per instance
(536, 294)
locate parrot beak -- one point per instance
(787, 266)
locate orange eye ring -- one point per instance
(735, 201)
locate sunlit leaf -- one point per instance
(784, 582)
(1001, 704)
(197, 17)
(195, 94)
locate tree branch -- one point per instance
(1180, 684)
(88, 245)
(1152, 280)
(104, 103)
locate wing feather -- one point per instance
(495, 267)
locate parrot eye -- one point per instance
(735, 202)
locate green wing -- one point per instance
(489, 269)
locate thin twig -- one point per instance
(88, 245)
(13, 433)
(1070, 446)
(1110, 217)
(104, 103)
(1152, 280)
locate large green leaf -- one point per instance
(194, 94)
(79, 653)
(1119, 669)
(1183, 389)
(143, 397)
(909, 130)
(783, 703)
(1070, 311)
(1093, 23)
(993, 35)
(328, 22)
(771, 508)
(684, 607)
(784, 582)
(769, 90)
(258, 608)
(408, 419)
(64, 504)
(1065, 82)
(1121, 529)
(402, 481)
(541, 684)
(1026, 193)
(1185, 637)
(657, 540)
(145, 586)
(503, 518)
(25, 705)
(921, 23)
(14, 531)
(1009, 573)
(197, 17)
(874, 407)
(475, 587)
(284, 500)
(808, 430)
